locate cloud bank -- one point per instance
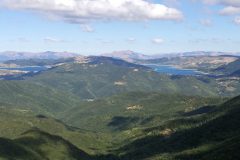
(224, 2)
(83, 11)
(232, 7)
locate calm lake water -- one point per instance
(28, 68)
(164, 69)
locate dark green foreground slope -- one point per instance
(133, 110)
(211, 135)
(210, 132)
(38, 145)
(15, 122)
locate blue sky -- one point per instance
(207, 25)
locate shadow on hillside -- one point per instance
(31, 146)
(9, 150)
(202, 110)
(120, 123)
(212, 133)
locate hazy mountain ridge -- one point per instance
(230, 69)
(132, 56)
(202, 63)
(128, 55)
(11, 55)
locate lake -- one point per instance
(165, 69)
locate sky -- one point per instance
(102, 26)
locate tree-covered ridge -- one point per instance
(196, 133)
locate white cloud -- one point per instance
(131, 39)
(231, 7)
(235, 3)
(86, 28)
(210, 1)
(52, 40)
(157, 40)
(237, 20)
(83, 11)
(230, 10)
(206, 22)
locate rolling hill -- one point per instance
(38, 145)
(34, 97)
(97, 77)
(15, 123)
(231, 69)
(131, 110)
(200, 62)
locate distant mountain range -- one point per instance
(132, 56)
(127, 55)
(11, 55)
(196, 53)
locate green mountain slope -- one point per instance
(10, 150)
(15, 122)
(97, 77)
(38, 145)
(210, 135)
(140, 126)
(119, 110)
(129, 110)
(231, 69)
(34, 97)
